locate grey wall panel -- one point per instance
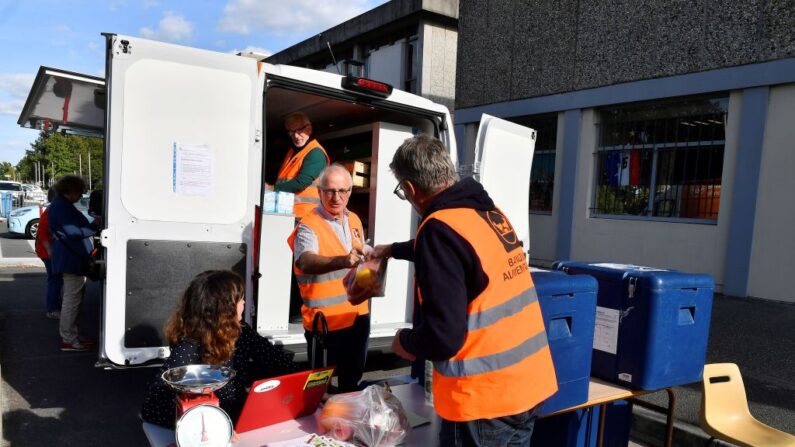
(550, 47)
(497, 65)
(471, 65)
(543, 56)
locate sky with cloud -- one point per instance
(67, 35)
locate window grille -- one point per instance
(662, 159)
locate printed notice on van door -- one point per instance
(605, 334)
(192, 170)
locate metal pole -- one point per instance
(89, 170)
(80, 160)
(52, 174)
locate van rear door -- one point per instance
(504, 151)
(183, 173)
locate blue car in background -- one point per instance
(25, 220)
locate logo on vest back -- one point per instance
(502, 228)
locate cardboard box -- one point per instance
(357, 167)
(360, 172)
(361, 181)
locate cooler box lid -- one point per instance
(650, 278)
(552, 283)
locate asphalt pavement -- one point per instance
(16, 250)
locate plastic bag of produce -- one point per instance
(366, 280)
(373, 417)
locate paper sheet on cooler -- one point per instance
(605, 336)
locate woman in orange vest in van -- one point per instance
(302, 165)
(327, 243)
(476, 313)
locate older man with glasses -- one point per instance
(327, 243)
(302, 164)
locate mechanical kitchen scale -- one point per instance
(200, 420)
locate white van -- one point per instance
(191, 136)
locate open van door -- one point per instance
(182, 176)
(504, 152)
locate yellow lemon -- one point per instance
(365, 277)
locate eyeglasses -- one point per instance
(330, 192)
(299, 130)
(399, 191)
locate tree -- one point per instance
(60, 154)
(7, 171)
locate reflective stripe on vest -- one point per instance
(504, 366)
(480, 320)
(309, 198)
(489, 363)
(315, 200)
(323, 302)
(326, 292)
(308, 279)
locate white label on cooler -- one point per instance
(605, 334)
(625, 377)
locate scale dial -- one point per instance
(204, 426)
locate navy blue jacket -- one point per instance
(71, 237)
(449, 274)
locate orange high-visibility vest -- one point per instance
(505, 366)
(326, 292)
(308, 199)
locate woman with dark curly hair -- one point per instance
(206, 327)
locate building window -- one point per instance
(661, 160)
(411, 65)
(542, 174)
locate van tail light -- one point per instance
(368, 86)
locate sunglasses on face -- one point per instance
(300, 130)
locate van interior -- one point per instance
(347, 130)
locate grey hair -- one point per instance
(334, 167)
(295, 116)
(425, 162)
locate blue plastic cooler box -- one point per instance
(652, 324)
(568, 305)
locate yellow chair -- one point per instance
(725, 415)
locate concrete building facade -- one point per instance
(410, 44)
(664, 129)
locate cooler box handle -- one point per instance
(559, 328)
(687, 315)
